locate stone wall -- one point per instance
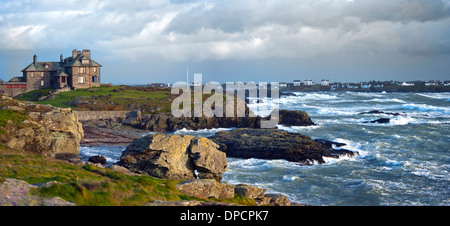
(96, 115)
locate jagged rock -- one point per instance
(206, 188)
(50, 131)
(249, 191)
(275, 144)
(175, 157)
(97, 159)
(278, 200)
(169, 123)
(17, 193)
(381, 120)
(377, 112)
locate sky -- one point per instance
(146, 41)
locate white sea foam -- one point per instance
(290, 178)
(425, 108)
(201, 132)
(435, 95)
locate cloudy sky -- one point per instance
(247, 40)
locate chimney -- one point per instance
(61, 58)
(74, 53)
(87, 53)
(34, 59)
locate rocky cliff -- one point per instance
(50, 131)
(166, 122)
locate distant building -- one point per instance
(378, 85)
(309, 82)
(366, 85)
(77, 71)
(159, 85)
(407, 84)
(297, 83)
(325, 82)
(283, 85)
(431, 83)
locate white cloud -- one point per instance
(223, 30)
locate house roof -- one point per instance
(17, 79)
(62, 74)
(41, 66)
(78, 61)
(68, 62)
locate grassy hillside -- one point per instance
(109, 98)
(89, 185)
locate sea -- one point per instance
(405, 162)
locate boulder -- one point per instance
(249, 191)
(275, 144)
(175, 157)
(207, 188)
(50, 131)
(15, 192)
(97, 159)
(381, 120)
(278, 200)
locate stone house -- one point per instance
(76, 71)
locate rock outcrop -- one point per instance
(276, 144)
(205, 189)
(168, 123)
(175, 157)
(17, 193)
(50, 131)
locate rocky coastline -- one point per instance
(153, 150)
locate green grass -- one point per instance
(12, 116)
(90, 185)
(105, 97)
(35, 94)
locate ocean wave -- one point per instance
(111, 153)
(298, 129)
(425, 108)
(201, 132)
(435, 95)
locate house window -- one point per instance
(23, 86)
(8, 86)
(95, 69)
(16, 86)
(94, 78)
(42, 74)
(80, 79)
(42, 83)
(32, 74)
(63, 79)
(85, 61)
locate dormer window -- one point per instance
(85, 61)
(46, 66)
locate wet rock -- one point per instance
(97, 159)
(275, 144)
(377, 112)
(381, 120)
